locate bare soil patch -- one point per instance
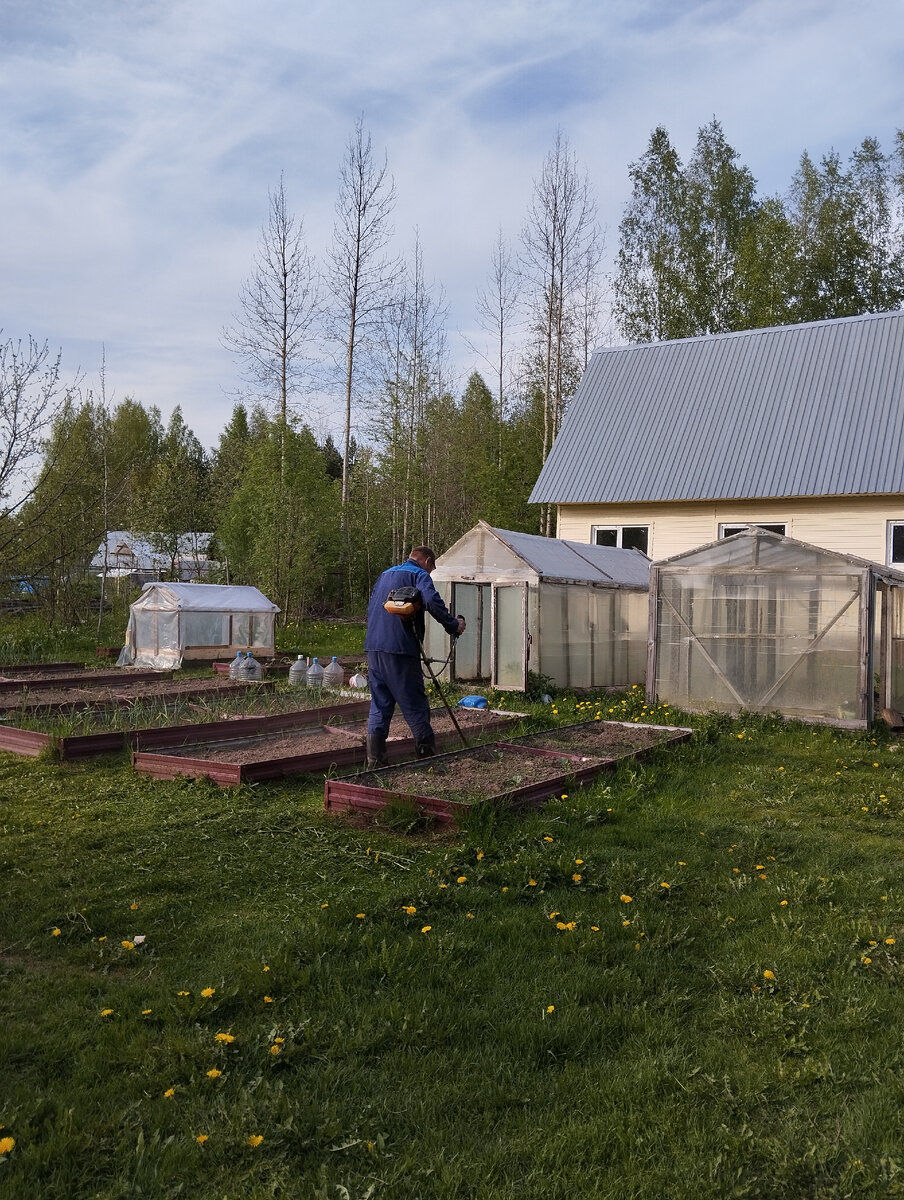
(323, 738)
(472, 774)
(605, 739)
(43, 696)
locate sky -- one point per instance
(139, 140)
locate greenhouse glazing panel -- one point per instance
(509, 637)
(895, 598)
(771, 641)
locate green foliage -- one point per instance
(682, 981)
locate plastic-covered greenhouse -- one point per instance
(762, 623)
(572, 612)
(172, 621)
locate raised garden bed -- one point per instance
(444, 789)
(609, 739)
(47, 700)
(32, 743)
(45, 678)
(328, 745)
(13, 669)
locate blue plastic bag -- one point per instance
(473, 702)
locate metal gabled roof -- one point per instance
(793, 410)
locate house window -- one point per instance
(729, 530)
(895, 551)
(628, 537)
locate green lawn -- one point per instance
(684, 981)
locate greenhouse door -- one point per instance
(471, 662)
(510, 637)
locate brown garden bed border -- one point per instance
(87, 678)
(30, 743)
(167, 766)
(344, 795)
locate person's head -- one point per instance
(424, 557)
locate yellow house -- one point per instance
(798, 428)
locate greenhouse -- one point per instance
(574, 613)
(172, 621)
(758, 622)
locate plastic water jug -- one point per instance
(333, 675)
(252, 671)
(314, 676)
(235, 666)
(298, 671)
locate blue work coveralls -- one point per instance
(393, 651)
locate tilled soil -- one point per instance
(324, 739)
(476, 774)
(607, 739)
(42, 697)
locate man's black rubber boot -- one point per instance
(426, 747)
(376, 750)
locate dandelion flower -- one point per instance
(626, 922)
(553, 914)
(426, 929)
(183, 993)
(768, 975)
(207, 992)
(595, 928)
(268, 999)
(106, 1012)
(531, 883)
(461, 879)
(127, 945)
(146, 1012)
(274, 1049)
(889, 941)
(133, 905)
(547, 838)
(625, 899)
(360, 916)
(169, 1093)
(201, 1139)
(226, 1038)
(578, 862)
(470, 916)
(783, 903)
(265, 968)
(410, 909)
(479, 855)
(550, 1008)
(6, 1144)
(213, 1073)
(255, 1139)
(866, 960)
(665, 885)
(55, 932)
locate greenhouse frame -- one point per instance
(762, 623)
(574, 613)
(207, 621)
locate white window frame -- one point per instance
(737, 526)
(890, 527)
(618, 530)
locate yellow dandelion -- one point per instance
(626, 923)
(268, 999)
(169, 1093)
(279, 1041)
(207, 992)
(665, 885)
(275, 1049)
(102, 939)
(55, 932)
(255, 1139)
(265, 968)
(553, 914)
(146, 1012)
(595, 928)
(768, 975)
(625, 899)
(6, 1144)
(531, 883)
(547, 838)
(889, 941)
(106, 1012)
(550, 1008)
(866, 960)
(213, 1073)
(426, 929)
(443, 885)
(201, 1139)
(578, 862)
(479, 855)
(360, 916)
(783, 903)
(461, 879)
(183, 993)
(133, 905)
(470, 916)
(576, 877)
(410, 909)
(225, 1038)
(127, 945)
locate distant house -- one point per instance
(124, 555)
(799, 429)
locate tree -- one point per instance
(558, 235)
(178, 496)
(29, 382)
(361, 277)
(650, 284)
(497, 308)
(280, 304)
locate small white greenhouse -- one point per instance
(172, 621)
(575, 613)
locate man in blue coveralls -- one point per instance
(393, 646)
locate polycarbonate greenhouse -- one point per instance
(172, 621)
(572, 612)
(762, 623)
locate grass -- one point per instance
(525, 1009)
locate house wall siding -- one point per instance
(846, 524)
